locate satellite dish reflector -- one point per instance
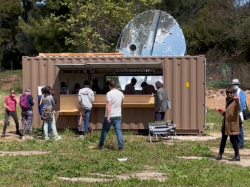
(152, 33)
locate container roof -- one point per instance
(111, 65)
(70, 66)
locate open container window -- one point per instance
(123, 80)
(71, 75)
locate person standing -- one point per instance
(76, 88)
(81, 128)
(40, 106)
(235, 85)
(106, 88)
(52, 93)
(10, 102)
(130, 88)
(230, 124)
(160, 102)
(26, 104)
(86, 98)
(95, 86)
(113, 115)
(47, 114)
(147, 88)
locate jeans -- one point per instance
(233, 140)
(49, 127)
(241, 137)
(86, 120)
(6, 120)
(159, 116)
(53, 126)
(116, 122)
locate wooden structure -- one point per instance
(183, 78)
(81, 54)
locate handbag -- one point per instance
(168, 104)
(246, 113)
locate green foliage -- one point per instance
(216, 28)
(71, 157)
(81, 26)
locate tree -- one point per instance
(81, 26)
(9, 13)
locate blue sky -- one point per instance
(241, 2)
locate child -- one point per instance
(81, 128)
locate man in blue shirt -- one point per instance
(235, 85)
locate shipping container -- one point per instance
(183, 78)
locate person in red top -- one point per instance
(10, 102)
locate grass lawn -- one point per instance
(14, 72)
(71, 157)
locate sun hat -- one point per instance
(235, 81)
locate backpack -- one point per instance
(24, 102)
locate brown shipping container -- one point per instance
(183, 78)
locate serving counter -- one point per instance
(137, 111)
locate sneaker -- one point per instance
(46, 138)
(241, 147)
(31, 137)
(3, 135)
(91, 131)
(99, 147)
(58, 138)
(51, 135)
(80, 136)
(121, 149)
(18, 133)
(23, 138)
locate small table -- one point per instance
(161, 128)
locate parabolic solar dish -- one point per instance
(152, 33)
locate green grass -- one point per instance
(14, 72)
(72, 157)
(215, 117)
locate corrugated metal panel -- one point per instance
(187, 103)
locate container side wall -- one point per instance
(184, 80)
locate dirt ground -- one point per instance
(244, 160)
(218, 102)
(148, 173)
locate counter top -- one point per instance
(68, 103)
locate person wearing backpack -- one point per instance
(40, 107)
(10, 102)
(26, 104)
(47, 114)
